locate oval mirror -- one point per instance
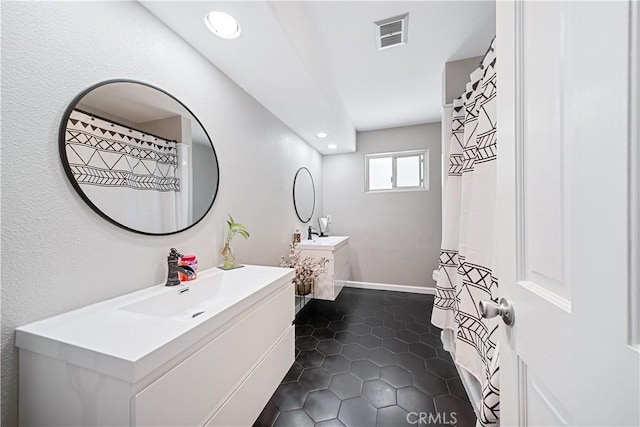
(139, 157)
(304, 194)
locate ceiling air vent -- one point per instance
(391, 31)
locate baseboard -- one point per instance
(390, 287)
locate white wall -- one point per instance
(57, 253)
(455, 76)
(395, 236)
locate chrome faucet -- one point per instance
(174, 268)
(311, 233)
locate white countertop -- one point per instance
(328, 243)
(110, 338)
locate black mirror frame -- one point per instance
(313, 184)
(76, 186)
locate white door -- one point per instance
(566, 215)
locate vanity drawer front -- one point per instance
(192, 391)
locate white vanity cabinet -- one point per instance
(336, 250)
(108, 365)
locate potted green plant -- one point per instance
(308, 269)
(228, 257)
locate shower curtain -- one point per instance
(129, 175)
(467, 255)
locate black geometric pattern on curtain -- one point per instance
(465, 265)
(103, 157)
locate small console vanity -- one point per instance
(210, 352)
(336, 250)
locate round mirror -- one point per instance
(304, 194)
(139, 157)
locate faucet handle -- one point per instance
(174, 254)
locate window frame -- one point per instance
(424, 172)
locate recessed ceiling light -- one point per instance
(332, 146)
(222, 25)
(322, 134)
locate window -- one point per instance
(401, 171)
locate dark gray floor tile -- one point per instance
(413, 400)
(394, 345)
(393, 416)
(429, 383)
(322, 405)
(417, 327)
(395, 309)
(346, 337)
(297, 418)
(354, 351)
(329, 347)
(384, 315)
(381, 357)
(306, 343)
(405, 318)
(444, 355)
(303, 330)
(268, 415)
(410, 362)
(339, 325)
(456, 388)
(336, 364)
(330, 423)
(333, 316)
(357, 412)
(451, 407)
(315, 378)
(345, 386)
(323, 333)
(352, 319)
(369, 341)
(360, 329)
(394, 324)
(441, 368)
(365, 370)
(293, 374)
(407, 336)
(396, 376)
(372, 321)
(430, 339)
(310, 359)
(382, 332)
(319, 322)
(289, 396)
(423, 350)
(364, 312)
(379, 393)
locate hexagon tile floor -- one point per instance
(368, 359)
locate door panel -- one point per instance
(563, 209)
(542, 407)
(541, 143)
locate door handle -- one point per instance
(504, 309)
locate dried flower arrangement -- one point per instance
(308, 269)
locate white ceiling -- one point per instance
(314, 64)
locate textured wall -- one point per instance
(395, 236)
(58, 254)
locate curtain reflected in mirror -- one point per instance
(139, 157)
